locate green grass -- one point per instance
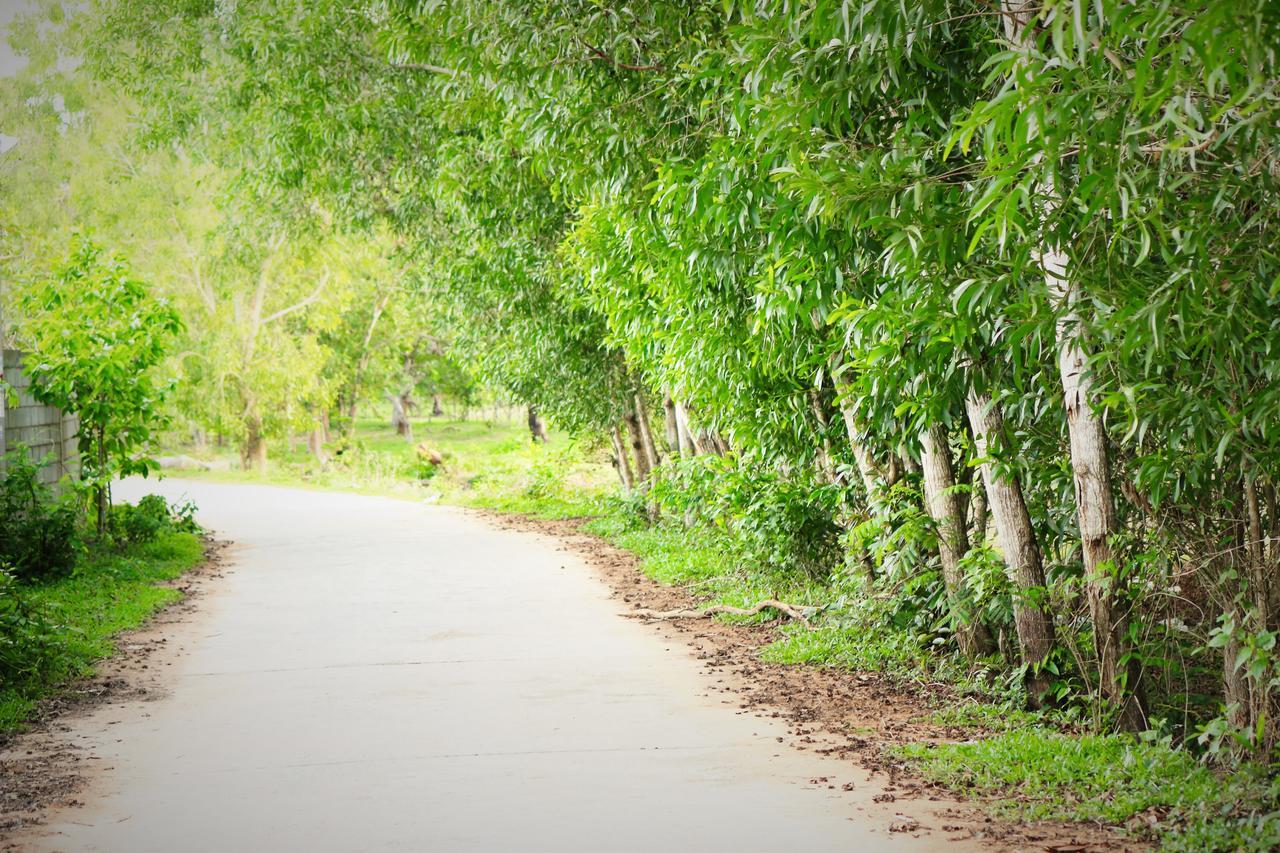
(108, 593)
(487, 463)
(1155, 790)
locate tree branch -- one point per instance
(284, 312)
(597, 53)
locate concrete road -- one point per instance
(381, 675)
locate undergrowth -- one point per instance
(75, 619)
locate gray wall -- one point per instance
(45, 431)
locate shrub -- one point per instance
(784, 523)
(30, 648)
(38, 534)
(149, 518)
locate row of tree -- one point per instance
(1003, 275)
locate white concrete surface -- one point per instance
(380, 675)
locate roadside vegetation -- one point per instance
(950, 322)
(66, 593)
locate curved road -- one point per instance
(374, 674)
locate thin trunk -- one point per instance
(103, 491)
(1119, 672)
(637, 447)
(400, 405)
(978, 513)
(621, 462)
(1018, 545)
(200, 441)
(648, 446)
(315, 445)
(946, 508)
(537, 429)
(672, 428)
(823, 460)
(687, 438)
(253, 455)
(437, 410)
(868, 470)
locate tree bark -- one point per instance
(437, 410)
(823, 460)
(868, 470)
(621, 462)
(672, 428)
(1018, 545)
(253, 454)
(315, 444)
(648, 446)
(400, 404)
(947, 510)
(1119, 672)
(637, 447)
(688, 439)
(537, 428)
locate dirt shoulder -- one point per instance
(849, 716)
(40, 769)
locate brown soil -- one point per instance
(851, 716)
(39, 769)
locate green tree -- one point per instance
(96, 335)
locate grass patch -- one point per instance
(487, 463)
(1157, 791)
(109, 592)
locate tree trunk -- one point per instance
(102, 493)
(868, 470)
(688, 440)
(620, 460)
(824, 461)
(1095, 506)
(947, 510)
(199, 441)
(1017, 539)
(253, 455)
(672, 427)
(437, 410)
(537, 429)
(648, 446)
(400, 404)
(315, 445)
(637, 447)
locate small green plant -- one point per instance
(38, 535)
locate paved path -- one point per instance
(380, 675)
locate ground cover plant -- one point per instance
(55, 629)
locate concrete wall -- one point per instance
(46, 431)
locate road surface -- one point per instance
(374, 674)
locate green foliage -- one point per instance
(150, 518)
(781, 523)
(31, 644)
(96, 334)
(39, 535)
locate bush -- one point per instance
(30, 648)
(38, 534)
(781, 523)
(149, 518)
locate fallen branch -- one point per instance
(800, 614)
